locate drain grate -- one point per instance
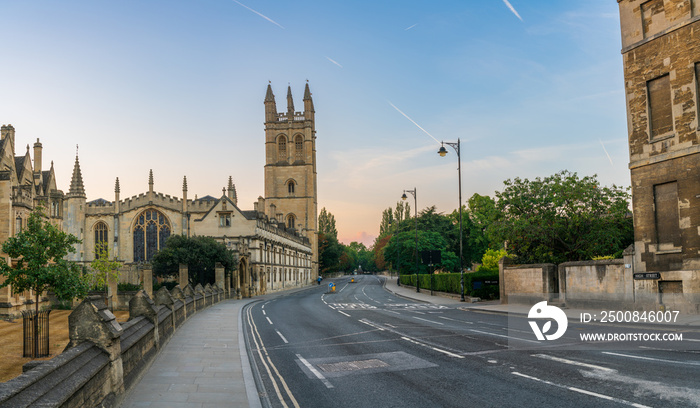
(352, 365)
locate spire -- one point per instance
(290, 101)
(150, 180)
(184, 183)
(270, 105)
(269, 97)
(77, 189)
(116, 186)
(308, 102)
(232, 191)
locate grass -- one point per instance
(11, 359)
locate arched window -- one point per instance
(298, 148)
(282, 148)
(18, 225)
(100, 229)
(291, 221)
(151, 230)
(290, 187)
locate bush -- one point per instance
(128, 287)
(475, 284)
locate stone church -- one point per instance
(275, 242)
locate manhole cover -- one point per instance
(352, 365)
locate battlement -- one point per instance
(297, 117)
(159, 199)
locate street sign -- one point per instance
(647, 275)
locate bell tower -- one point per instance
(291, 194)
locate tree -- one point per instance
(326, 223)
(329, 252)
(562, 218)
(489, 262)
(199, 253)
(104, 267)
(387, 222)
(40, 250)
(405, 244)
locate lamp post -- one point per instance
(415, 205)
(442, 152)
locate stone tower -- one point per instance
(291, 194)
(74, 211)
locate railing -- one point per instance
(36, 333)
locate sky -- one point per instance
(529, 88)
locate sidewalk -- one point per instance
(494, 306)
(204, 365)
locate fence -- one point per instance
(36, 333)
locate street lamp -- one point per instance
(415, 205)
(443, 152)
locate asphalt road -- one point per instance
(364, 347)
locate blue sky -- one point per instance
(178, 87)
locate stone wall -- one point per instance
(105, 358)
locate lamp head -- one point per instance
(442, 152)
(403, 197)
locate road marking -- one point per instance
(579, 390)
(391, 311)
(433, 348)
(371, 324)
(503, 335)
(454, 320)
(652, 359)
(315, 371)
(268, 320)
(572, 362)
(346, 285)
(265, 314)
(283, 339)
(429, 321)
(260, 348)
(340, 311)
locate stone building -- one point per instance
(661, 58)
(275, 243)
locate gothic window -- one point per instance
(151, 230)
(224, 220)
(18, 225)
(282, 148)
(100, 235)
(298, 148)
(660, 115)
(291, 219)
(290, 187)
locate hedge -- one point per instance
(476, 284)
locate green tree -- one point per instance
(380, 262)
(562, 218)
(199, 253)
(329, 252)
(326, 223)
(104, 267)
(40, 250)
(405, 244)
(387, 223)
(489, 262)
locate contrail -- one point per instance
(260, 14)
(510, 6)
(333, 61)
(606, 152)
(413, 121)
(410, 27)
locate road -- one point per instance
(364, 347)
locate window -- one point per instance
(18, 225)
(291, 219)
(290, 187)
(660, 115)
(299, 148)
(151, 230)
(666, 214)
(100, 235)
(282, 148)
(225, 220)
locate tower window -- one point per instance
(282, 148)
(290, 187)
(660, 115)
(291, 220)
(298, 148)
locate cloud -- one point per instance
(507, 3)
(260, 14)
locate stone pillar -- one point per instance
(148, 281)
(227, 287)
(502, 264)
(183, 279)
(219, 272)
(92, 321)
(142, 305)
(112, 299)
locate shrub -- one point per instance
(128, 287)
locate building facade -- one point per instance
(661, 58)
(275, 243)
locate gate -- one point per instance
(36, 333)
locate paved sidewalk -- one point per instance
(494, 306)
(204, 365)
